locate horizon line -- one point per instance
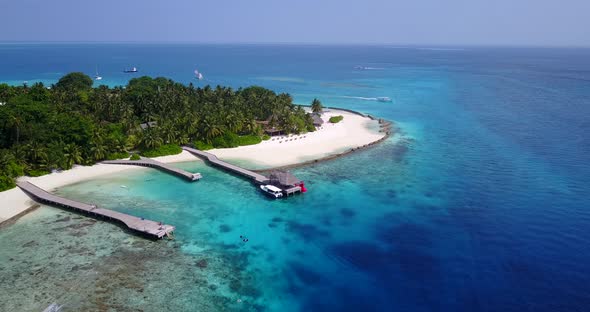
(292, 43)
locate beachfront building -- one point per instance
(268, 129)
(272, 131)
(283, 179)
(317, 120)
(287, 182)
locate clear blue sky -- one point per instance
(427, 22)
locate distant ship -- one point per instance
(198, 75)
(384, 99)
(132, 70)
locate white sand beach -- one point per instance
(353, 131)
(14, 202)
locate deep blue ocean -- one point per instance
(479, 202)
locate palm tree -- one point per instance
(97, 147)
(316, 106)
(151, 139)
(169, 133)
(132, 141)
(233, 122)
(72, 155)
(36, 152)
(183, 139)
(5, 158)
(16, 122)
(209, 129)
(250, 126)
(98, 151)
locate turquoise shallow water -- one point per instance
(479, 203)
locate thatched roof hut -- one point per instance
(283, 178)
(317, 120)
(272, 131)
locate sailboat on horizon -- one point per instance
(97, 76)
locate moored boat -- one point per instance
(272, 191)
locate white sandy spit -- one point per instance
(353, 131)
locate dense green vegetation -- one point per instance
(73, 123)
(336, 119)
(203, 145)
(118, 155)
(162, 150)
(135, 157)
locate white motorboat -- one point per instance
(198, 75)
(272, 191)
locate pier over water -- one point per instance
(147, 162)
(257, 177)
(142, 226)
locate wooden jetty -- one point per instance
(148, 162)
(291, 190)
(142, 226)
(257, 177)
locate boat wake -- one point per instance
(378, 99)
(368, 68)
(359, 98)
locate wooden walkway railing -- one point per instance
(257, 177)
(147, 162)
(146, 227)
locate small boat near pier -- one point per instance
(271, 191)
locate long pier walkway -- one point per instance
(148, 162)
(146, 227)
(257, 177)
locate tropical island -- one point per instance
(73, 123)
(52, 129)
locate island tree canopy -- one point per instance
(72, 123)
(74, 82)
